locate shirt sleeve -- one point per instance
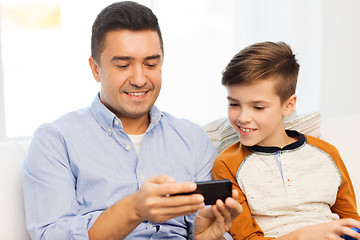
(244, 226)
(345, 205)
(52, 211)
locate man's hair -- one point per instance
(261, 61)
(124, 15)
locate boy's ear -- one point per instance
(289, 105)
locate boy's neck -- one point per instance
(281, 141)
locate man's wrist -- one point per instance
(126, 205)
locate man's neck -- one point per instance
(135, 126)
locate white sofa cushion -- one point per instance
(344, 133)
(12, 221)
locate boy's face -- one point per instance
(256, 113)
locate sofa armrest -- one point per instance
(12, 221)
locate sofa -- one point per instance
(341, 132)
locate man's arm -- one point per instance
(151, 202)
(50, 190)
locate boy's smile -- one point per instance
(256, 113)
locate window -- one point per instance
(45, 46)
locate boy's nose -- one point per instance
(244, 117)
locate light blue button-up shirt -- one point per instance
(84, 162)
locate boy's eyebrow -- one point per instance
(259, 101)
(230, 98)
(253, 102)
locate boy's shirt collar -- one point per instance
(291, 133)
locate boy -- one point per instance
(291, 186)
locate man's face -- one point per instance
(129, 72)
(256, 113)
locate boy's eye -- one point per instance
(258, 108)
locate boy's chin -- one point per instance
(248, 143)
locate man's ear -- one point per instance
(289, 105)
(94, 68)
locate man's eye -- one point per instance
(151, 65)
(259, 108)
(122, 66)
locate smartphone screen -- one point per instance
(213, 190)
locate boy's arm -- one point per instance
(345, 205)
(324, 231)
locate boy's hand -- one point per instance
(331, 230)
(213, 222)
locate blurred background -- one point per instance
(45, 46)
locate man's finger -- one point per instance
(161, 179)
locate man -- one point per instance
(108, 171)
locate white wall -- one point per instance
(198, 41)
(340, 55)
(297, 23)
(325, 35)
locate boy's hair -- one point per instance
(125, 15)
(260, 61)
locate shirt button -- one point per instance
(128, 147)
(117, 122)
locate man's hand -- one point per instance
(211, 223)
(153, 201)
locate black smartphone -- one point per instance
(212, 190)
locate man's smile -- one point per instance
(136, 94)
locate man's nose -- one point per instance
(138, 77)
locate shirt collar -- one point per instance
(108, 119)
(291, 133)
(155, 116)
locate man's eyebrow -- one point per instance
(156, 56)
(127, 58)
(117, 58)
